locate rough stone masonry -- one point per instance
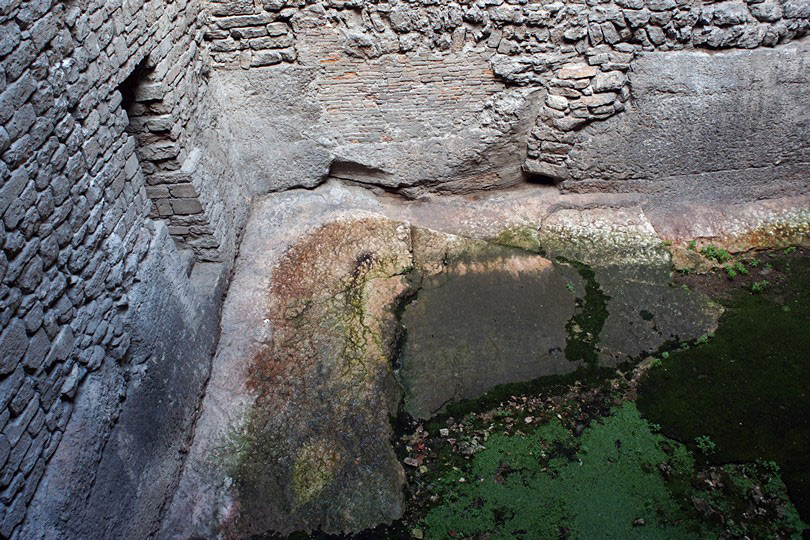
(135, 135)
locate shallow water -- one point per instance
(697, 442)
(748, 387)
(630, 466)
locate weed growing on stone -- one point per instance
(714, 253)
(760, 286)
(705, 444)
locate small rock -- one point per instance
(639, 522)
(528, 419)
(411, 462)
(444, 432)
(417, 533)
(576, 71)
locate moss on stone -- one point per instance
(607, 483)
(314, 469)
(590, 316)
(520, 236)
(747, 387)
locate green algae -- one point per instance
(589, 318)
(522, 237)
(607, 483)
(747, 388)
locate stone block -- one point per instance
(38, 349)
(277, 29)
(231, 7)
(160, 151)
(157, 192)
(178, 230)
(575, 33)
(163, 207)
(636, 19)
(661, 5)
(150, 92)
(226, 23)
(730, 13)
(5, 448)
(16, 427)
(23, 396)
(608, 81)
(186, 207)
(265, 58)
(576, 71)
(557, 102)
(13, 344)
(279, 42)
(183, 191)
(12, 188)
(10, 385)
(568, 123)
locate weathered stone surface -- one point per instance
(755, 142)
(481, 315)
(312, 398)
(136, 432)
(304, 374)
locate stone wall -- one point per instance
(664, 144)
(101, 364)
(387, 78)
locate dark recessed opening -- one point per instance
(129, 85)
(541, 179)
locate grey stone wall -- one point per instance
(417, 95)
(103, 354)
(666, 143)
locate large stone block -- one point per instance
(727, 126)
(13, 344)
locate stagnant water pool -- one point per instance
(708, 438)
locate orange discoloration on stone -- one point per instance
(514, 266)
(326, 375)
